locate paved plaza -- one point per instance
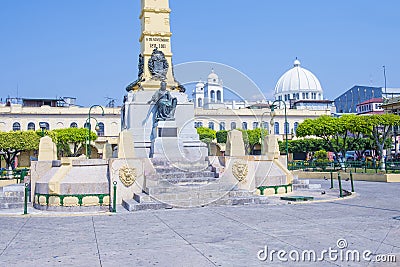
(211, 236)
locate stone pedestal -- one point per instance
(270, 147)
(47, 149)
(235, 144)
(138, 119)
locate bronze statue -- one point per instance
(165, 104)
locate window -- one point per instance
(219, 96)
(296, 124)
(280, 97)
(255, 125)
(16, 126)
(44, 125)
(222, 126)
(87, 125)
(244, 125)
(297, 96)
(233, 125)
(286, 130)
(212, 96)
(199, 102)
(31, 126)
(304, 95)
(100, 131)
(73, 125)
(276, 128)
(198, 124)
(285, 97)
(265, 125)
(211, 125)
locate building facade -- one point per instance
(18, 117)
(348, 101)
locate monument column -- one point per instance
(155, 59)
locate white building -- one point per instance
(56, 115)
(299, 85)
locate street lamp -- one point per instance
(88, 152)
(262, 132)
(286, 128)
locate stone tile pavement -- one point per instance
(210, 236)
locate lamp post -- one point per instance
(262, 132)
(88, 152)
(273, 106)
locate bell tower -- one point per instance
(155, 59)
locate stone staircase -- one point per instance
(183, 185)
(12, 196)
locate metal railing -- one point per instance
(18, 174)
(354, 166)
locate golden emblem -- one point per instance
(240, 170)
(127, 175)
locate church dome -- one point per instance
(298, 83)
(213, 77)
(200, 85)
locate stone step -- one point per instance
(183, 175)
(133, 205)
(169, 169)
(19, 205)
(188, 181)
(191, 196)
(142, 197)
(11, 199)
(188, 188)
(304, 182)
(12, 194)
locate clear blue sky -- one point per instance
(89, 48)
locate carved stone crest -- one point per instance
(240, 170)
(158, 65)
(127, 175)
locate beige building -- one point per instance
(247, 118)
(30, 116)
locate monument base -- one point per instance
(152, 139)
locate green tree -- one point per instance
(380, 127)
(12, 143)
(70, 140)
(206, 133)
(339, 134)
(222, 136)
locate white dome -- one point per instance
(298, 81)
(200, 86)
(213, 78)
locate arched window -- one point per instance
(222, 126)
(31, 126)
(199, 102)
(265, 125)
(296, 124)
(44, 125)
(211, 125)
(276, 128)
(212, 96)
(219, 96)
(233, 125)
(16, 126)
(286, 130)
(100, 131)
(244, 125)
(198, 124)
(87, 125)
(73, 125)
(255, 125)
